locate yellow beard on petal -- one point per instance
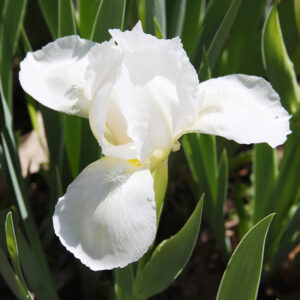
(135, 162)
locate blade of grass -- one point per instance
(288, 25)
(297, 14)
(220, 36)
(9, 276)
(66, 18)
(290, 239)
(11, 19)
(18, 185)
(169, 258)
(265, 174)
(72, 124)
(50, 12)
(87, 15)
(110, 14)
(219, 218)
(242, 275)
(278, 66)
(214, 13)
(13, 251)
(156, 17)
(244, 29)
(176, 13)
(192, 21)
(33, 271)
(12, 245)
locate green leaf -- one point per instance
(72, 138)
(194, 13)
(176, 10)
(18, 187)
(40, 285)
(87, 15)
(265, 174)
(72, 124)
(9, 276)
(242, 275)
(214, 14)
(219, 219)
(205, 71)
(278, 66)
(124, 283)
(243, 34)
(66, 18)
(110, 14)
(156, 17)
(201, 154)
(54, 130)
(90, 150)
(297, 14)
(220, 36)
(50, 12)
(12, 247)
(290, 239)
(285, 193)
(11, 19)
(169, 258)
(288, 24)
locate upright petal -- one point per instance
(135, 122)
(163, 65)
(55, 75)
(152, 100)
(242, 108)
(107, 218)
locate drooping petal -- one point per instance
(60, 75)
(107, 218)
(242, 108)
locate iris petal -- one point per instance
(54, 75)
(107, 218)
(242, 108)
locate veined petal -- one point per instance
(242, 108)
(55, 75)
(107, 218)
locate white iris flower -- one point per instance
(141, 94)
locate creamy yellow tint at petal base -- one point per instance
(140, 94)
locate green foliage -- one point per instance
(277, 63)
(221, 37)
(13, 251)
(50, 12)
(265, 174)
(11, 19)
(242, 275)
(110, 14)
(168, 259)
